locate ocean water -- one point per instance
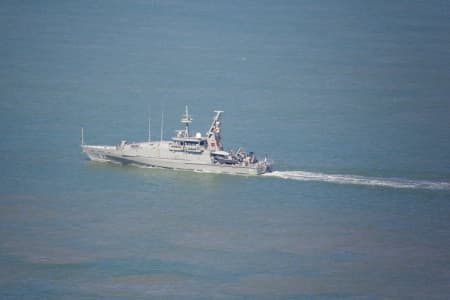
(351, 99)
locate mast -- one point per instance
(149, 131)
(213, 133)
(82, 136)
(162, 123)
(149, 125)
(186, 120)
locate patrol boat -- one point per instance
(201, 153)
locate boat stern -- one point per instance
(264, 166)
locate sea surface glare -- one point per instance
(351, 99)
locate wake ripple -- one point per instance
(361, 180)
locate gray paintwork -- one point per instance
(203, 153)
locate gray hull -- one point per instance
(202, 153)
(157, 154)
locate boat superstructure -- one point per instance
(203, 153)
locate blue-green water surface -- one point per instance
(349, 98)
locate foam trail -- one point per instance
(361, 180)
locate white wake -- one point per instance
(361, 180)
